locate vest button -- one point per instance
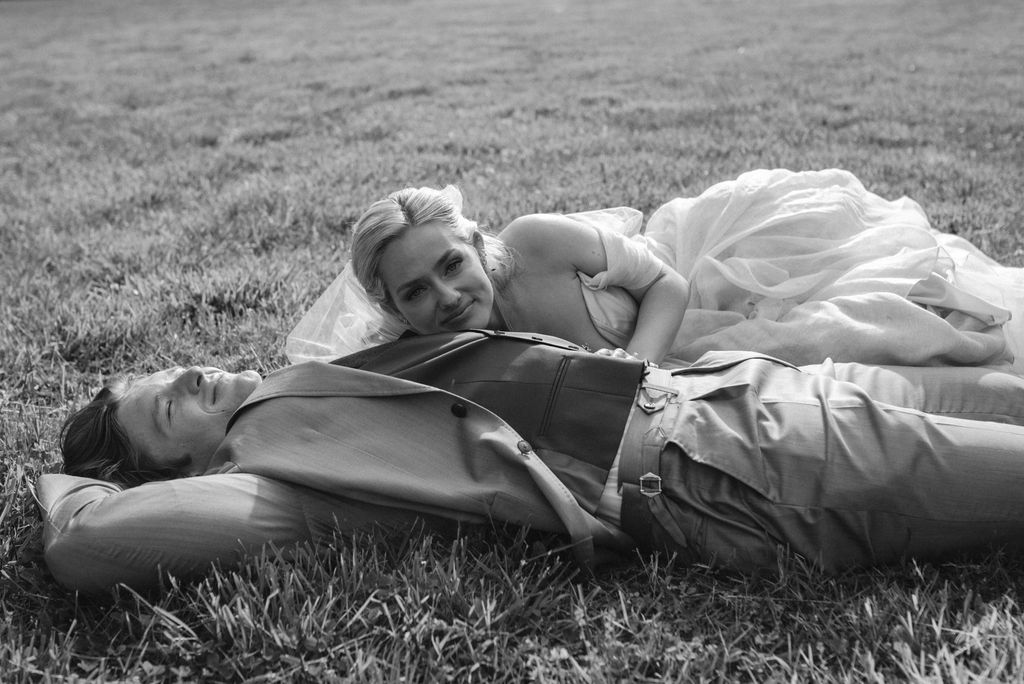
(459, 410)
(524, 447)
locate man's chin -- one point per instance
(252, 376)
(245, 383)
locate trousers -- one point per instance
(843, 464)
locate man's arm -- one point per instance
(97, 534)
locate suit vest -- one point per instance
(571, 405)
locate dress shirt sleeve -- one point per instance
(97, 534)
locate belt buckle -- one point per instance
(650, 485)
(655, 390)
(651, 402)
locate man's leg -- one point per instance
(776, 456)
(966, 392)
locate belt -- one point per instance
(640, 454)
(655, 420)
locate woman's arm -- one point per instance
(662, 306)
(555, 243)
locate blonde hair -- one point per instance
(390, 218)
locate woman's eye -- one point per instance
(414, 293)
(453, 266)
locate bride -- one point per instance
(803, 266)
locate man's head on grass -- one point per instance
(168, 424)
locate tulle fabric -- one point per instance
(343, 320)
(810, 265)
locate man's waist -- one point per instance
(657, 399)
(640, 444)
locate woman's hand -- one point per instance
(617, 353)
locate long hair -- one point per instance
(388, 219)
(94, 444)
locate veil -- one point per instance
(343, 320)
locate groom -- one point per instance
(725, 461)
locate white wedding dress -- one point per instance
(803, 266)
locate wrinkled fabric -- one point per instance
(845, 464)
(807, 266)
(631, 265)
(97, 534)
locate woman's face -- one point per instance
(436, 281)
(178, 417)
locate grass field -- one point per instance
(177, 182)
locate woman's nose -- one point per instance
(448, 296)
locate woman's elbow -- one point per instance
(671, 286)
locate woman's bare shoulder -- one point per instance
(548, 236)
(531, 226)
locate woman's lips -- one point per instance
(460, 315)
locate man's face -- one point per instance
(178, 417)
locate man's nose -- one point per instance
(189, 379)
